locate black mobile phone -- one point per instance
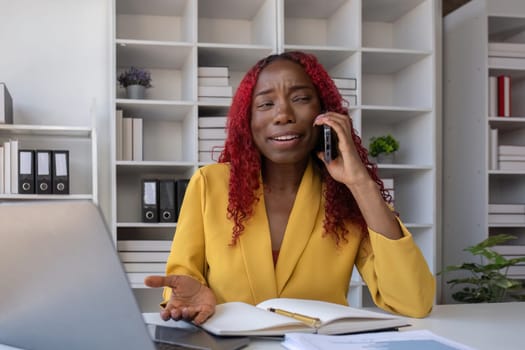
(328, 143)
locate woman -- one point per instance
(274, 219)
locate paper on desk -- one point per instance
(403, 340)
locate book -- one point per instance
(212, 134)
(345, 83)
(212, 122)
(210, 156)
(506, 62)
(211, 145)
(118, 128)
(6, 105)
(156, 267)
(493, 96)
(143, 256)
(144, 245)
(506, 49)
(506, 218)
(509, 250)
(207, 71)
(7, 167)
(507, 208)
(14, 166)
(216, 100)
(215, 91)
(127, 138)
(512, 158)
(213, 81)
(504, 96)
(511, 150)
(508, 165)
(238, 318)
(137, 127)
(493, 148)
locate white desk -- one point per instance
(481, 326)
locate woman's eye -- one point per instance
(302, 98)
(264, 105)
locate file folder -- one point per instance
(181, 186)
(150, 209)
(43, 175)
(60, 172)
(26, 171)
(167, 201)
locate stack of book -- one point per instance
(347, 88)
(214, 85)
(499, 96)
(511, 157)
(511, 252)
(129, 138)
(507, 214)
(389, 186)
(507, 54)
(212, 133)
(142, 258)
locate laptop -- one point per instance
(62, 285)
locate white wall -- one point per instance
(54, 58)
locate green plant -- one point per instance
(135, 76)
(487, 281)
(383, 144)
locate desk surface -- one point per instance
(481, 326)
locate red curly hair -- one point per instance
(245, 159)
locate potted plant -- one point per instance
(487, 281)
(136, 81)
(383, 148)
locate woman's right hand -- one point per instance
(190, 300)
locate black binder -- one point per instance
(26, 171)
(150, 195)
(167, 201)
(43, 172)
(181, 190)
(61, 172)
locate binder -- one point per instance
(43, 174)
(26, 171)
(150, 209)
(60, 165)
(166, 201)
(180, 186)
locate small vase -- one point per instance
(135, 91)
(385, 158)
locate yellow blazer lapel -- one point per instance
(300, 225)
(256, 251)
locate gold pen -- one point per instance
(310, 321)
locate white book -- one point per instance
(388, 183)
(137, 139)
(211, 145)
(509, 250)
(118, 128)
(6, 105)
(507, 62)
(512, 158)
(511, 150)
(1, 169)
(209, 156)
(14, 166)
(212, 134)
(493, 153)
(345, 83)
(493, 96)
(144, 245)
(137, 277)
(506, 208)
(212, 122)
(216, 100)
(506, 218)
(206, 71)
(127, 139)
(506, 48)
(351, 99)
(213, 81)
(275, 317)
(516, 271)
(215, 91)
(145, 267)
(143, 256)
(507, 165)
(7, 167)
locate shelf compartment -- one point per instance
(321, 23)
(155, 20)
(406, 25)
(234, 22)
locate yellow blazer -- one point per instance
(309, 266)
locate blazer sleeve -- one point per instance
(396, 274)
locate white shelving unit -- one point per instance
(388, 46)
(470, 184)
(82, 145)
